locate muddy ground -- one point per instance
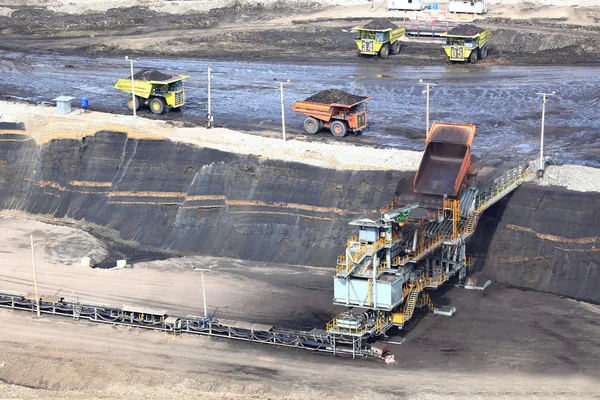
(545, 346)
(243, 32)
(245, 97)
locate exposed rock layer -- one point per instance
(543, 238)
(179, 198)
(189, 200)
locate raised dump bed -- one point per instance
(446, 160)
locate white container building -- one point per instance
(466, 6)
(409, 5)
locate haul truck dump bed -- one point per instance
(446, 160)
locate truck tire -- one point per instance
(484, 52)
(130, 103)
(157, 105)
(384, 52)
(396, 47)
(312, 125)
(339, 128)
(473, 57)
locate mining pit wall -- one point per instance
(543, 238)
(184, 199)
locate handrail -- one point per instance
(425, 249)
(436, 282)
(343, 265)
(447, 204)
(382, 266)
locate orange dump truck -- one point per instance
(446, 161)
(338, 111)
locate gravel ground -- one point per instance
(43, 125)
(545, 346)
(573, 177)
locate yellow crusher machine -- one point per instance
(389, 267)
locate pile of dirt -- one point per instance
(151, 75)
(465, 30)
(330, 96)
(42, 21)
(380, 24)
(130, 15)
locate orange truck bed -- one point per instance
(354, 115)
(446, 160)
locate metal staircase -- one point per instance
(346, 266)
(492, 194)
(471, 224)
(411, 303)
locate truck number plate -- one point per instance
(367, 46)
(457, 52)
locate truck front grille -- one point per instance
(361, 120)
(367, 46)
(179, 98)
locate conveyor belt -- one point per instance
(314, 340)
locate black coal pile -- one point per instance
(465, 30)
(330, 96)
(380, 24)
(150, 75)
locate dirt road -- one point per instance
(501, 100)
(45, 53)
(300, 31)
(545, 346)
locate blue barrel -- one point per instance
(84, 102)
(435, 6)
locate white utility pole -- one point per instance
(209, 122)
(202, 271)
(428, 86)
(134, 101)
(37, 296)
(544, 100)
(282, 108)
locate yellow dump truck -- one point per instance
(379, 37)
(155, 89)
(467, 43)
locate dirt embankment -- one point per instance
(42, 21)
(547, 46)
(258, 32)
